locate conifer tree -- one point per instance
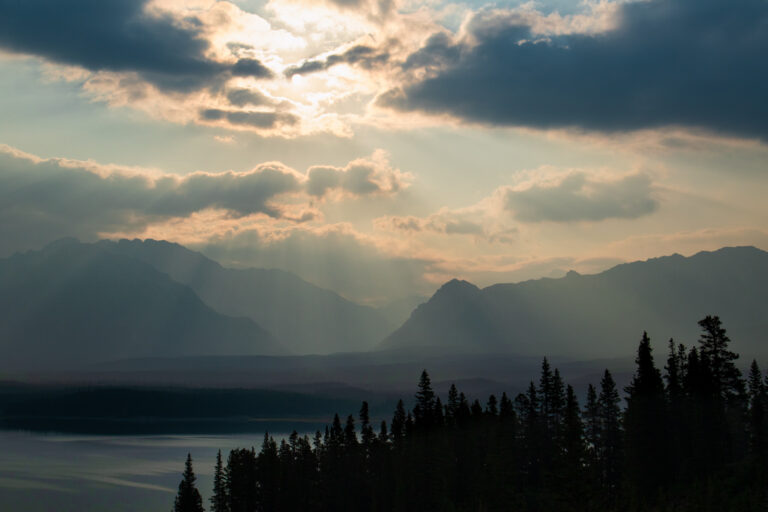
(492, 408)
(350, 435)
(366, 430)
(188, 498)
(573, 429)
(452, 407)
(572, 476)
(383, 434)
(611, 437)
(506, 411)
(594, 428)
(757, 423)
(423, 411)
(219, 497)
(646, 427)
(398, 423)
(726, 377)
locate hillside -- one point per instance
(308, 319)
(73, 304)
(601, 315)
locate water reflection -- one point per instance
(44, 472)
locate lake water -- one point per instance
(45, 472)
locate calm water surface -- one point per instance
(63, 473)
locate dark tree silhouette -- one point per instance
(219, 497)
(188, 498)
(697, 443)
(645, 422)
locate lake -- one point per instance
(44, 472)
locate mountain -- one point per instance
(72, 304)
(306, 318)
(397, 311)
(601, 315)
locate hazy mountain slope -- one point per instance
(73, 304)
(397, 311)
(603, 314)
(308, 319)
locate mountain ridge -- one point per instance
(73, 304)
(565, 315)
(305, 317)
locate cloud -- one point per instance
(120, 36)
(253, 119)
(44, 199)
(445, 222)
(579, 197)
(484, 221)
(244, 97)
(657, 63)
(361, 55)
(360, 177)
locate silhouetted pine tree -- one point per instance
(423, 411)
(645, 423)
(726, 377)
(536, 454)
(611, 439)
(757, 423)
(398, 424)
(188, 498)
(572, 477)
(219, 497)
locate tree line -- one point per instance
(691, 438)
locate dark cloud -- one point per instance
(364, 56)
(243, 97)
(252, 68)
(696, 63)
(247, 118)
(45, 199)
(439, 50)
(579, 198)
(118, 35)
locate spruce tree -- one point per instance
(757, 423)
(611, 437)
(398, 424)
(188, 498)
(219, 497)
(571, 472)
(453, 403)
(366, 430)
(646, 427)
(726, 377)
(491, 407)
(423, 411)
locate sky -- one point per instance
(382, 147)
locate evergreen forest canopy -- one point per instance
(693, 438)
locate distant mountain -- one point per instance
(601, 315)
(73, 304)
(397, 311)
(306, 318)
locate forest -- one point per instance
(690, 436)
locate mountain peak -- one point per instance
(457, 286)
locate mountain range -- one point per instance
(601, 315)
(73, 304)
(307, 319)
